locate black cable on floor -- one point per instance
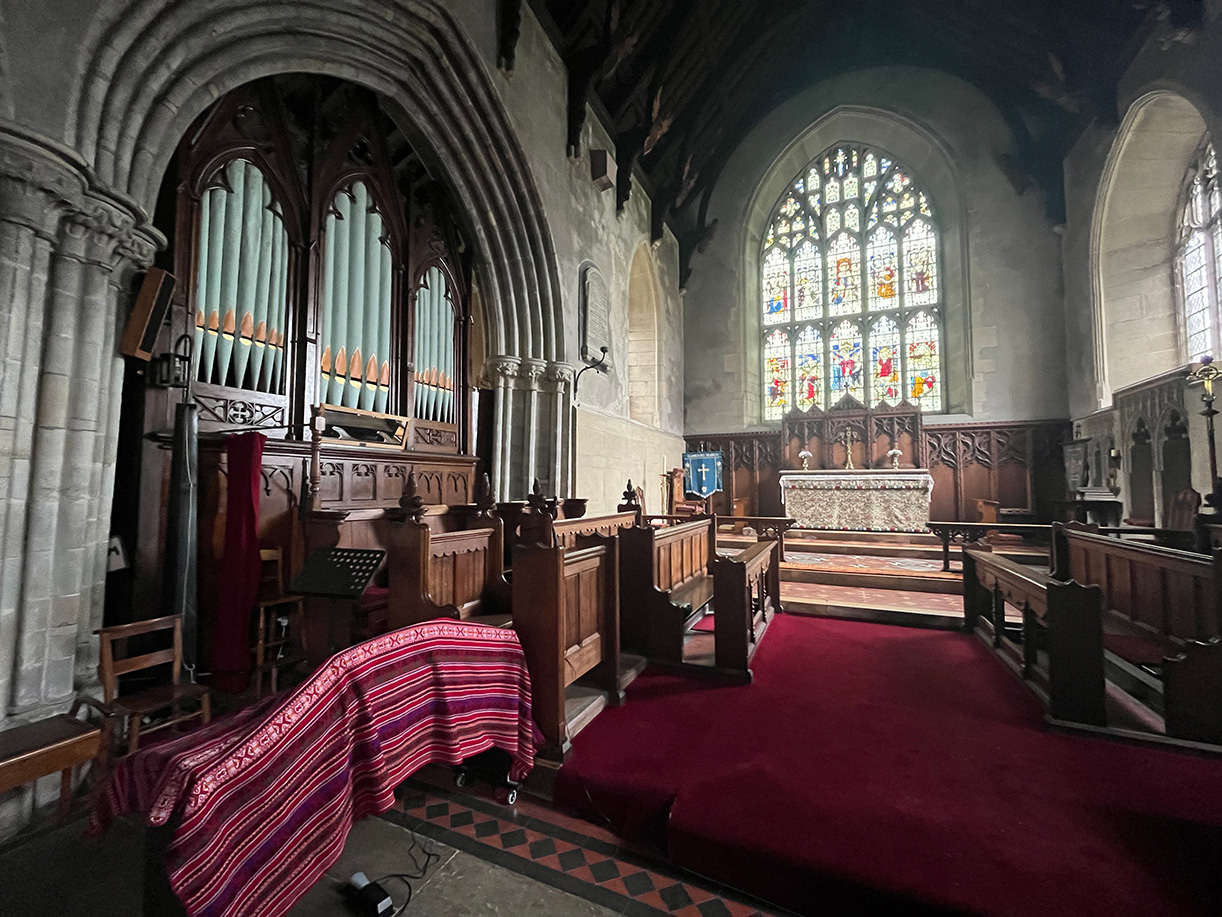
(421, 869)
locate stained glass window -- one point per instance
(924, 363)
(885, 362)
(777, 374)
(851, 287)
(810, 368)
(847, 375)
(1199, 261)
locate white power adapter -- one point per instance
(370, 897)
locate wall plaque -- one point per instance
(595, 315)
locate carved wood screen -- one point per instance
(869, 433)
(1017, 464)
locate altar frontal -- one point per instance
(890, 500)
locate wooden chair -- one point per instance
(57, 743)
(1182, 514)
(277, 617)
(135, 707)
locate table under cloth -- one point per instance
(263, 800)
(868, 500)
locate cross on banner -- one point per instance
(702, 473)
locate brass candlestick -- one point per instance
(1204, 375)
(847, 438)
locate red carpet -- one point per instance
(903, 770)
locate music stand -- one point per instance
(338, 574)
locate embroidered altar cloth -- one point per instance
(858, 501)
(263, 800)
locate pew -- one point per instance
(1162, 609)
(566, 614)
(665, 579)
(1064, 618)
(747, 587)
(540, 527)
(455, 574)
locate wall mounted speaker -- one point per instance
(148, 315)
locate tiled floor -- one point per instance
(564, 853)
(467, 855)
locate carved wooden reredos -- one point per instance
(872, 432)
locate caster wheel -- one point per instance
(460, 779)
(512, 797)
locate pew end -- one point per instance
(1192, 692)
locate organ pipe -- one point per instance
(241, 286)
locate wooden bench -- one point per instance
(747, 588)
(1064, 618)
(538, 527)
(449, 574)
(566, 614)
(56, 743)
(665, 580)
(1163, 616)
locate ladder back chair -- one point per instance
(280, 636)
(150, 702)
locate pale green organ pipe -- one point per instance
(384, 268)
(246, 266)
(356, 292)
(373, 307)
(231, 242)
(201, 284)
(262, 292)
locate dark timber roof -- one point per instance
(683, 81)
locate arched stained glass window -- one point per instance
(852, 288)
(1199, 259)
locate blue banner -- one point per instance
(702, 473)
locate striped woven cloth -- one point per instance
(263, 800)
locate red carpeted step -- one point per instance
(870, 765)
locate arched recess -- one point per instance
(910, 143)
(150, 67)
(644, 367)
(1135, 311)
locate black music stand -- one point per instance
(339, 574)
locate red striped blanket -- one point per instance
(264, 799)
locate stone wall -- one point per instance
(611, 450)
(95, 96)
(1123, 184)
(1003, 343)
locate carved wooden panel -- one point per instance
(1016, 464)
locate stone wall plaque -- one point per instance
(595, 315)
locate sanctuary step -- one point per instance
(884, 606)
(884, 544)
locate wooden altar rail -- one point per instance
(566, 614)
(769, 528)
(456, 574)
(965, 532)
(1066, 617)
(541, 528)
(664, 578)
(747, 587)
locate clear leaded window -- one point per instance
(1199, 256)
(851, 288)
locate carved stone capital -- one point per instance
(37, 183)
(557, 377)
(501, 369)
(531, 371)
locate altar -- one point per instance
(868, 500)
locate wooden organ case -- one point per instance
(321, 274)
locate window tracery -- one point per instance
(850, 271)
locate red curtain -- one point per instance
(229, 637)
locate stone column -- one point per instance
(37, 185)
(502, 370)
(558, 384)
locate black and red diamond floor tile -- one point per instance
(589, 867)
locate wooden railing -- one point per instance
(664, 578)
(1065, 617)
(964, 532)
(747, 589)
(566, 614)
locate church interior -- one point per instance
(581, 457)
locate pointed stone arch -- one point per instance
(150, 67)
(1134, 309)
